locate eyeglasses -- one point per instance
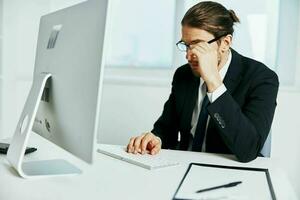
(184, 47)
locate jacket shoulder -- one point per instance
(258, 70)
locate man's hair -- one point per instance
(211, 17)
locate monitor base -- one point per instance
(43, 168)
(20, 139)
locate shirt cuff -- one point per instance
(212, 96)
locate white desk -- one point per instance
(109, 178)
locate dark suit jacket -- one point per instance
(240, 118)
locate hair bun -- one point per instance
(233, 16)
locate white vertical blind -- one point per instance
(288, 40)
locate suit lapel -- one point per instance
(234, 73)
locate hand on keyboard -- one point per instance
(145, 143)
(147, 161)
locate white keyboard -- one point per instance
(146, 161)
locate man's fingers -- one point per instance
(156, 149)
(200, 46)
(143, 143)
(156, 141)
(137, 144)
(130, 145)
(156, 146)
(197, 51)
(147, 138)
(200, 49)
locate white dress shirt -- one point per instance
(211, 96)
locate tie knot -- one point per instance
(203, 86)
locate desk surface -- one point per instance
(109, 178)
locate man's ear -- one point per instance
(226, 43)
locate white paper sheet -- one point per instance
(254, 184)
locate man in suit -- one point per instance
(221, 101)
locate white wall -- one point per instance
(129, 110)
(287, 45)
(286, 135)
(16, 66)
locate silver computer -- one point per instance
(63, 103)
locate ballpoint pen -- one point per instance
(220, 186)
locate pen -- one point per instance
(220, 186)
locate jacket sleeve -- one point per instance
(245, 129)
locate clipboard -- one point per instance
(256, 182)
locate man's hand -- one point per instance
(207, 68)
(146, 142)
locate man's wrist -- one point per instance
(214, 84)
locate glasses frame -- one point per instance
(188, 45)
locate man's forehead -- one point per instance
(191, 35)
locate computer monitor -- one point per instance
(64, 100)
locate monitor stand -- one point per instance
(19, 142)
